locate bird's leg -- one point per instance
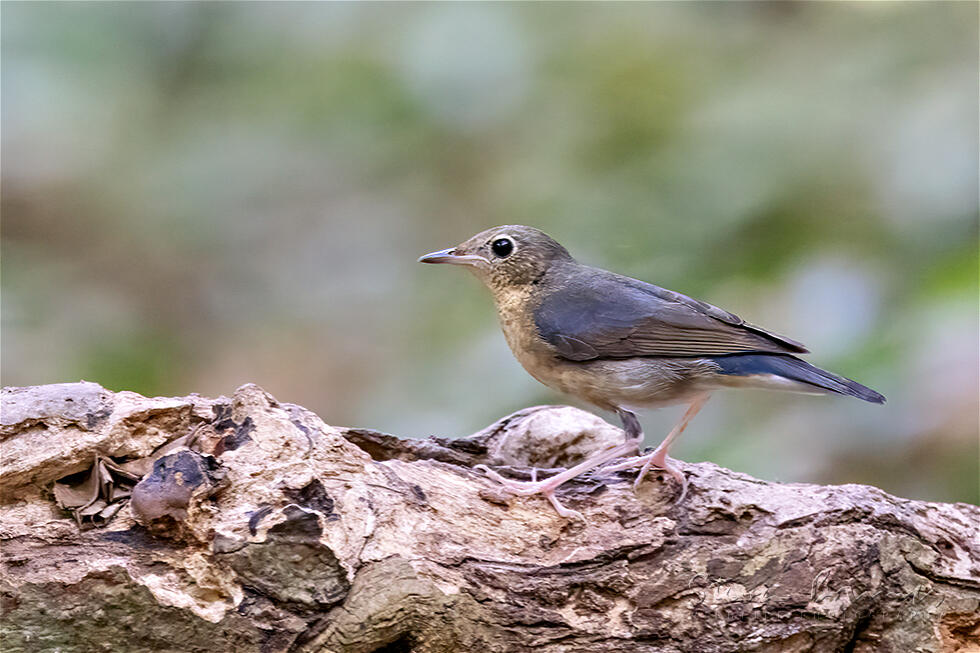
(634, 432)
(548, 486)
(658, 457)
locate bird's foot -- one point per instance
(657, 459)
(546, 487)
(567, 513)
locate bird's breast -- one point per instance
(515, 308)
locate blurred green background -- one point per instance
(199, 195)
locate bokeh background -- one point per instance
(199, 195)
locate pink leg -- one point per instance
(658, 457)
(548, 486)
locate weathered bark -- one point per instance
(268, 530)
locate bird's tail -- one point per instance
(760, 366)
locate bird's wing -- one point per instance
(598, 314)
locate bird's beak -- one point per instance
(450, 256)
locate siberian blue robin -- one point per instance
(622, 344)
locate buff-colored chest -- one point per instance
(515, 309)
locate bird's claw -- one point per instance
(529, 488)
(645, 463)
(492, 474)
(567, 513)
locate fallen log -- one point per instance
(255, 526)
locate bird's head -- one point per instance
(504, 257)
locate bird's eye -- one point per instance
(502, 247)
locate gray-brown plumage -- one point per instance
(622, 344)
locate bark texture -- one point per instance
(255, 526)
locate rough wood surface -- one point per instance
(265, 529)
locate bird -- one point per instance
(624, 345)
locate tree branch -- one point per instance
(257, 527)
